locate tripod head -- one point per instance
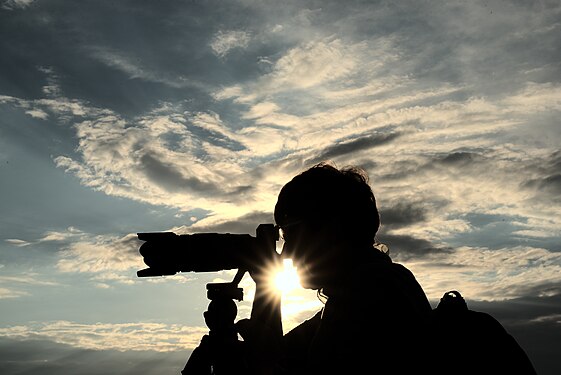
(216, 291)
(222, 309)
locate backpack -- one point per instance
(473, 342)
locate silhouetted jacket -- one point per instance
(373, 320)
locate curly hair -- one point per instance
(324, 192)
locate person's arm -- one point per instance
(262, 333)
(266, 308)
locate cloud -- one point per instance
(216, 224)
(403, 247)
(59, 107)
(171, 179)
(94, 254)
(454, 117)
(132, 66)
(11, 293)
(456, 164)
(325, 63)
(70, 234)
(444, 112)
(402, 214)
(312, 64)
(38, 113)
(490, 274)
(199, 160)
(28, 279)
(16, 4)
(48, 357)
(103, 257)
(22, 285)
(224, 41)
(261, 110)
(352, 146)
(175, 160)
(111, 336)
(535, 97)
(549, 184)
(17, 242)
(545, 177)
(430, 147)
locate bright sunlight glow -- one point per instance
(286, 279)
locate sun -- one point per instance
(286, 278)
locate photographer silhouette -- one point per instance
(376, 316)
(375, 308)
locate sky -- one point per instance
(120, 117)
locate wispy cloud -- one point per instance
(29, 279)
(429, 146)
(11, 293)
(446, 116)
(490, 274)
(18, 242)
(94, 254)
(22, 284)
(16, 4)
(50, 358)
(224, 41)
(133, 67)
(103, 257)
(111, 336)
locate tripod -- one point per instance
(220, 352)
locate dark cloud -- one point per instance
(368, 165)
(168, 177)
(47, 357)
(401, 169)
(548, 179)
(216, 138)
(402, 214)
(549, 184)
(439, 38)
(244, 224)
(460, 159)
(125, 56)
(403, 247)
(360, 143)
(468, 162)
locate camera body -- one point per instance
(166, 253)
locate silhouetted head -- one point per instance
(327, 215)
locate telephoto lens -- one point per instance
(166, 253)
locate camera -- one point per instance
(166, 253)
